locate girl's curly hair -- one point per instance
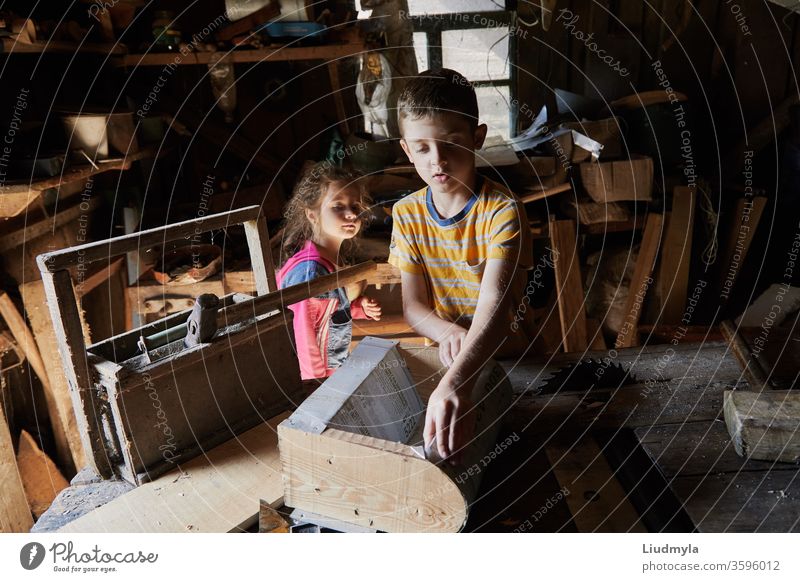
(308, 193)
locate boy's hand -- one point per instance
(372, 308)
(450, 345)
(449, 420)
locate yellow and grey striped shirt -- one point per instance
(451, 253)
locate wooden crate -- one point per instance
(385, 485)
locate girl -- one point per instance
(322, 219)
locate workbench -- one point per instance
(650, 456)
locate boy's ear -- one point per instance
(406, 149)
(480, 135)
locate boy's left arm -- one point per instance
(449, 416)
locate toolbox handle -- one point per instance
(255, 229)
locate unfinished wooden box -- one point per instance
(146, 401)
(333, 465)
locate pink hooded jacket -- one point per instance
(323, 325)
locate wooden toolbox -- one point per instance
(151, 398)
(335, 466)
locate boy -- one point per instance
(461, 245)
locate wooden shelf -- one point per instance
(17, 198)
(328, 52)
(11, 47)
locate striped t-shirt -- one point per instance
(451, 253)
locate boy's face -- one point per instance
(442, 149)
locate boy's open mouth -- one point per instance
(440, 178)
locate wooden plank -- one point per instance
(387, 325)
(26, 233)
(595, 335)
(41, 478)
(336, 91)
(764, 426)
(546, 193)
(79, 173)
(697, 449)
(751, 501)
(69, 446)
(15, 515)
(260, 255)
(94, 251)
(596, 499)
(747, 215)
(676, 255)
(270, 521)
(640, 281)
(289, 295)
(98, 277)
(68, 328)
(344, 476)
(22, 334)
(214, 493)
(569, 286)
(751, 367)
(328, 52)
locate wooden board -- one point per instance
(742, 229)
(347, 476)
(215, 493)
(71, 455)
(596, 499)
(676, 255)
(640, 281)
(41, 478)
(764, 425)
(15, 516)
(741, 502)
(696, 449)
(569, 285)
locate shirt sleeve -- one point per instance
(403, 251)
(312, 360)
(510, 237)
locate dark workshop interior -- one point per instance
(150, 380)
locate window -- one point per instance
(474, 37)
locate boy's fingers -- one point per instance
(429, 432)
(442, 430)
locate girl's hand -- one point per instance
(372, 308)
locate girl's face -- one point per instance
(338, 214)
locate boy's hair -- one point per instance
(438, 91)
(308, 193)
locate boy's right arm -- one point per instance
(419, 315)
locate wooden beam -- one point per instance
(569, 286)
(596, 499)
(94, 251)
(676, 255)
(69, 332)
(98, 277)
(69, 446)
(746, 217)
(640, 282)
(764, 426)
(22, 334)
(41, 479)
(546, 193)
(214, 493)
(15, 515)
(752, 370)
(260, 255)
(47, 225)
